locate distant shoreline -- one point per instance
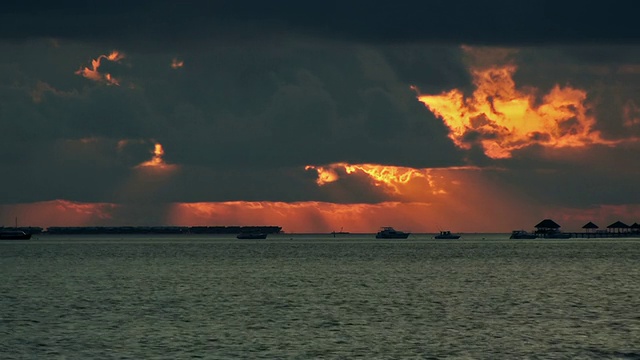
(133, 230)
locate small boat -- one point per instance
(446, 234)
(334, 233)
(252, 236)
(387, 232)
(522, 234)
(14, 235)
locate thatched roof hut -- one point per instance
(635, 227)
(590, 227)
(547, 226)
(618, 227)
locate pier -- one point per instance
(604, 234)
(549, 229)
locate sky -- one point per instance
(424, 116)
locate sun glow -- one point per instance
(503, 118)
(390, 177)
(157, 162)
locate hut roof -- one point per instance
(590, 225)
(547, 224)
(618, 225)
(635, 226)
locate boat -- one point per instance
(334, 233)
(446, 234)
(522, 234)
(252, 236)
(14, 235)
(387, 232)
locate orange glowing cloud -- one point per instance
(503, 118)
(382, 175)
(631, 114)
(395, 180)
(156, 162)
(176, 64)
(93, 73)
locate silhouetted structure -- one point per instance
(33, 230)
(100, 230)
(547, 228)
(590, 227)
(618, 227)
(547, 225)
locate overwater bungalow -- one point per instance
(550, 229)
(618, 227)
(590, 227)
(547, 226)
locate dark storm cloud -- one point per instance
(576, 178)
(269, 88)
(229, 113)
(470, 22)
(293, 105)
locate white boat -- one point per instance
(522, 234)
(446, 234)
(387, 232)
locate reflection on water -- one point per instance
(316, 296)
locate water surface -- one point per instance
(315, 296)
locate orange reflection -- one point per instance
(93, 73)
(502, 118)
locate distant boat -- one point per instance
(446, 234)
(334, 233)
(14, 235)
(252, 236)
(522, 234)
(387, 232)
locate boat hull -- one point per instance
(446, 234)
(15, 236)
(251, 236)
(392, 236)
(447, 237)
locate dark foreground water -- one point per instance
(307, 297)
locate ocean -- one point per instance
(483, 296)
